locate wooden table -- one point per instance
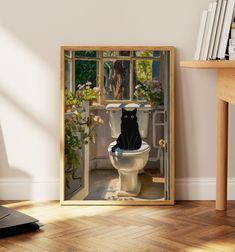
(225, 92)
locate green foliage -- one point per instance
(75, 138)
(71, 99)
(85, 92)
(85, 54)
(150, 91)
(116, 53)
(144, 53)
(144, 70)
(85, 71)
(147, 89)
(144, 67)
(75, 134)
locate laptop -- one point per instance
(13, 222)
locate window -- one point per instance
(117, 73)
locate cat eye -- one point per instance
(132, 117)
(125, 116)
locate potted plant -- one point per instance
(71, 101)
(151, 91)
(76, 136)
(87, 93)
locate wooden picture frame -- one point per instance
(171, 199)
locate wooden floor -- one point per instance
(187, 226)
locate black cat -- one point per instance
(130, 138)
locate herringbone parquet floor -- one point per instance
(187, 226)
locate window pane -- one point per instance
(147, 53)
(117, 80)
(146, 70)
(116, 53)
(85, 70)
(85, 54)
(147, 80)
(68, 75)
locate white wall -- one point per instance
(31, 33)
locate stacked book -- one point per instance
(214, 30)
(231, 49)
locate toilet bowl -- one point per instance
(129, 163)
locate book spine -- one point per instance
(233, 31)
(226, 28)
(215, 27)
(219, 29)
(200, 35)
(209, 31)
(202, 53)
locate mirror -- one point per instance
(117, 125)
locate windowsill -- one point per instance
(97, 106)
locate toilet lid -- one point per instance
(119, 152)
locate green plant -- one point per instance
(86, 93)
(76, 135)
(144, 68)
(85, 70)
(75, 138)
(151, 91)
(71, 99)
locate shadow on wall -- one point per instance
(9, 172)
(41, 35)
(46, 127)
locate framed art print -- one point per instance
(117, 125)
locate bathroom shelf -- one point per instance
(225, 93)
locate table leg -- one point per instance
(222, 153)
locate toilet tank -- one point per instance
(115, 114)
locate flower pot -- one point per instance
(67, 108)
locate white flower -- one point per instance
(81, 86)
(88, 83)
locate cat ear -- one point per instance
(134, 111)
(123, 110)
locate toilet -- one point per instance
(129, 162)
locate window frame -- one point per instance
(100, 59)
(171, 54)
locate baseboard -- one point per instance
(29, 189)
(48, 189)
(200, 188)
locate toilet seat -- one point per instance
(119, 152)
